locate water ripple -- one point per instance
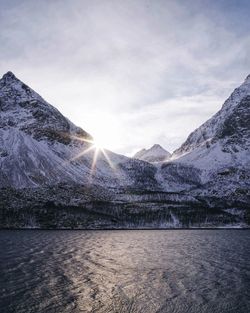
(125, 271)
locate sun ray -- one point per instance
(98, 150)
(87, 150)
(82, 153)
(108, 159)
(82, 139)
(116, 172)
(94, 160)
(93, 166)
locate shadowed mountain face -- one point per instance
(236, 128)
(52, 175)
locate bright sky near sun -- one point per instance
(132, 73)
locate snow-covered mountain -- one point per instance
(39, 146)
(222, 141)
(154, 154)
(51, 174)
(215, 158)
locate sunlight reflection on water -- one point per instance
(125, 271)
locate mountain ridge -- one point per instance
(207, 130)
(52, 176)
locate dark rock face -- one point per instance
(181, 174)
(95, 207)
(236, 127)
(141, 173)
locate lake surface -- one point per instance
(145, 271)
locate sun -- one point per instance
(99, 152)
(98, 145)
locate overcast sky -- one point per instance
(131, 73)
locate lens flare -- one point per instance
(96, 150)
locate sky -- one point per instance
(131, 73)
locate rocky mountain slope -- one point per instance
(223, 140)
(154, 154)
(218, 151)
(53, 176)
(40, 147)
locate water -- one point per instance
(125, 271)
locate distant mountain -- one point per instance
(154, 154)
(53, 176)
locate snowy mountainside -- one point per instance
(222, 133)
(39, 146)
(214, 162)
(49, 177)
(154, 154)
(22, 108)
(224, 140)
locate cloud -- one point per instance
(153, 69)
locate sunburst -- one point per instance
(98, 149)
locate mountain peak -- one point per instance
(154, 154)
(247, 78)
(224, 137)
(9, 80)
(26, 111)
(157, 146)
(13, 90)
(9, 76)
